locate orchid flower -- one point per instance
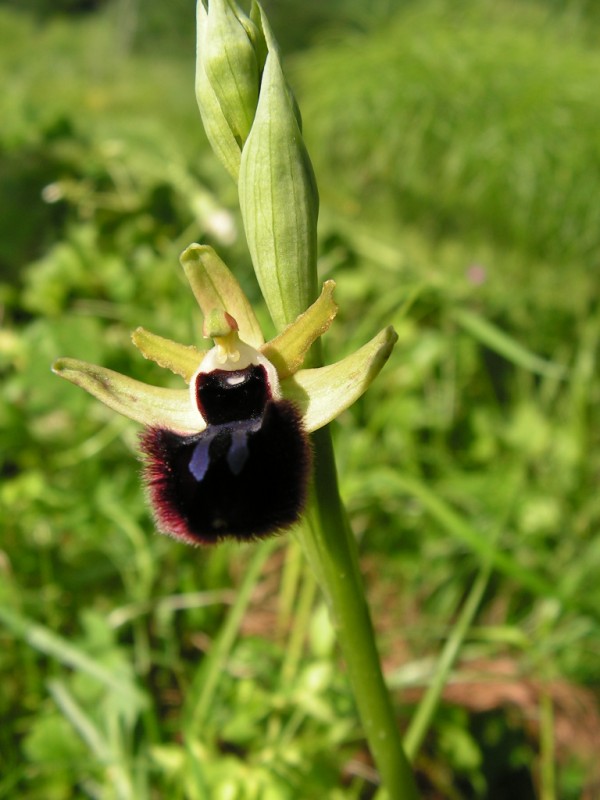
(243, 451)
(229, 457)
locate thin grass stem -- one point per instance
(203, 690)
(547, 753)
(299, 631)
(423, 717)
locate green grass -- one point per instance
(442, 141)
(484, 117)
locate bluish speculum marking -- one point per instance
(200, 459)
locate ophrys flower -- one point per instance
(229, 457)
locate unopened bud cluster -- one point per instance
(252, 123)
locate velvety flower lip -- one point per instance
(240, 479)
(228, 457)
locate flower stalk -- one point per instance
(331, 550)
(279, 203)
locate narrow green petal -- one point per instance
(150, 405)
(218, 132)
(288, 350)
(322, 394)
(181, 359)
(215, 287)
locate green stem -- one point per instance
(331, 550)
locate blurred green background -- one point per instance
(457, 150)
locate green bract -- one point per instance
(320, 394)
(279, 201)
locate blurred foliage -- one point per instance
(485, 135)
(458, 161)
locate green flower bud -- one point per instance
(279, 199)
(227, 77)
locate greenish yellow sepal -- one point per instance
(279, 201)
(215, 287)
(324, 393)
(229, 60)
(288, 350)
(179, 358)
(150, 405)
(218, 132)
